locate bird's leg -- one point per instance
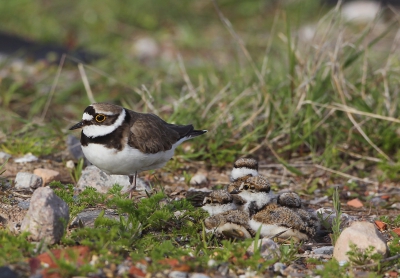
(132, 179)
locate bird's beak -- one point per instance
(234, 191)
(78, 125)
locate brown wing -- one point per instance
(150, 134)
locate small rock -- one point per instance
(26, 158)
(198, 179)
(145, 48)
(24, 204)
(377, 202)
(24, 181)
(269, 249)
(70, 164)
(279, 267)
(381, 225)
(328, 215)
(47, 175)
(47, 216)
(177, 274)
(326, 250)
(355, 203)
(74, 147)
(363, 234)
(397, 231)
(360, 11)
(4, 156)
(94, 177)
(198, 275)
(7, 272)
(87, 217)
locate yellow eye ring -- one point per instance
(100, 118)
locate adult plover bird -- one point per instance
(220, 201)
(233, 224)
(123, 142)
(275, 219)
(256, 192)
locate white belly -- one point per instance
(269, 230)
(126, 162)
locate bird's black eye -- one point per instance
(246, 187)
(100, 118)
(208, 201)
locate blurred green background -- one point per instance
(257, 75)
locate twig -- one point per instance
(348, 109)
(339, 88)
(344, 174)
(53, 87)
(191, 88)
(86, 83)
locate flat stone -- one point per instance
(27, 181)
(47, 216)
(355, 203)
(47, 175)
(326, 250)
(87, 217)
(94, 177)
(269, 249)
(26, 158)
(363, 234)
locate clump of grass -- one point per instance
(359, 257)
(14, 248)
(76, 172)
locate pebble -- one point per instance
(74, 147)
(24, 204)
(326, 250)
(26, 158)
(94, 177)
(279, 267)
(360, 11)
(28, 181)
(269, 249)
(145, 48)
(328, 215)
(47, 175)
(198, 275)
(88, 216)
(4, 156)
(47, 216)
(198, 179)
(363, 234)
(7, 272)
(70, 164)
(177, 274)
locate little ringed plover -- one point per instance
(124, 142)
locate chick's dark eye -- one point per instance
(100, 118)
(208, 201)
(246, 187)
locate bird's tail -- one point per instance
(195, 133)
